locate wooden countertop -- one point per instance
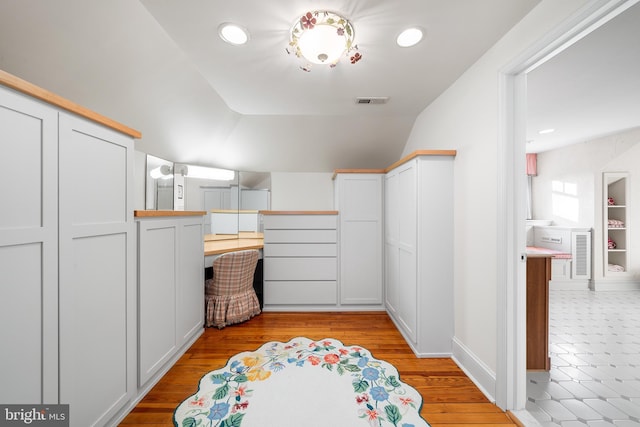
(163, 213)
(216, 247)
(299, 212)
(30, 89)
(405, 159)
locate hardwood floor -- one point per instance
(450, 399)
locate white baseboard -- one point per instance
(483, 377)
(615, 285)
(321, 308)
(569, 285)
(142, 391)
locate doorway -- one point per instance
(511, 376)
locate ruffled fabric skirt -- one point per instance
(223, 310)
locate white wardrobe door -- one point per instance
(97, 270)
(28, 251)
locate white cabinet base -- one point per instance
(419, 253)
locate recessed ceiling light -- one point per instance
(545, 131)
(409, 37)
(233, 33)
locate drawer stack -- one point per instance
(300, 260)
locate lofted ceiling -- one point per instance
(159, 66)
(590, 90)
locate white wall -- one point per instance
(581, 164)
(621, 161)
(294, 191)
(466, 118)
(139, 173)
(588, 160)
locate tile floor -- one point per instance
(594, 341)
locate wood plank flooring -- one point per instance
(450, 399)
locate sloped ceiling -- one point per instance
(589, 90)
(158, 66)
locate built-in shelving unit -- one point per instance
(616, 229)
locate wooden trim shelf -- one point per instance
(337, 171)
(161, 213)
(418, 153)
(399, 162)
(30, 89)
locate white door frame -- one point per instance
(511, 287)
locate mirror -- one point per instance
(159, 184)
(214, 191)
(231, 199)
(255, 195)
(255, 190)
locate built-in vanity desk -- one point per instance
(217, 244)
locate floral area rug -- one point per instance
(302, 383)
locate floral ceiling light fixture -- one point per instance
(323, 37)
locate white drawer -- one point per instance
(300, 236)
(299, 221)
(319, 292)
(300, 250)
(300, 269)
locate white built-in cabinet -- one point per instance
(300, 265)
(359, 201)
(67, 256)
(28, 250)
(170, 289)
(419, 251)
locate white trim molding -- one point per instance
(483, 377)
(510, 376)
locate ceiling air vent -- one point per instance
(372, 100)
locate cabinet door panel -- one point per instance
(22, 151)
(391, 206)
(407, 292)
(21, 320)
(190, 298)
(361, 199)
(93, 321)
(97, 268)
(391, 275)
(360, 279)
(407, 205)
(96, 164)
(28, 251)
(156, 290)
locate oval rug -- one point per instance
(302, 383)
